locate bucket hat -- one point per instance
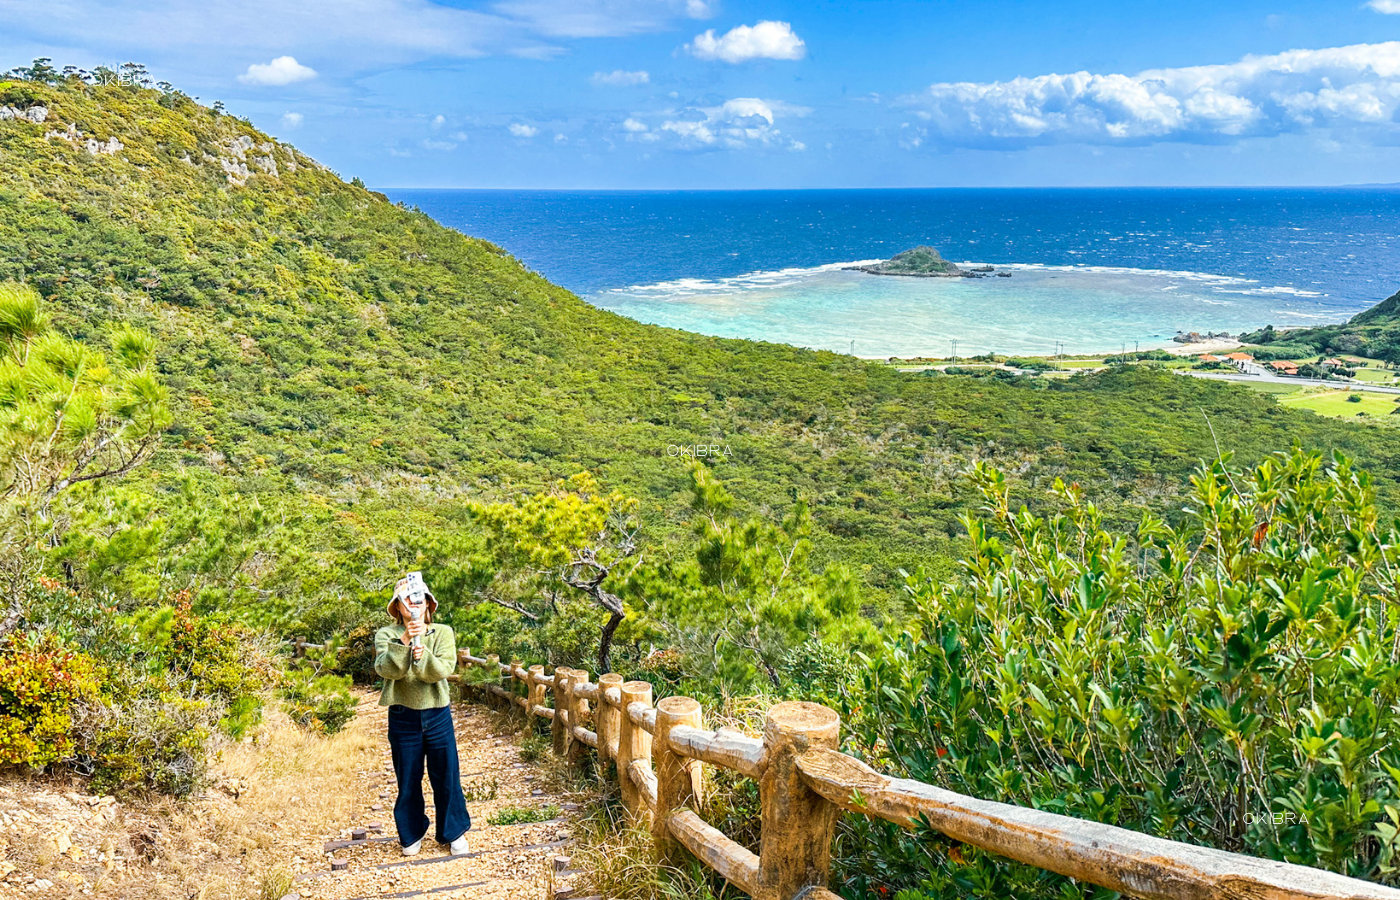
(412, 583)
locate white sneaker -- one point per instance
(413, 848)
(459, 846)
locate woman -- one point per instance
(414, 657)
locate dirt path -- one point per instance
(506, 862)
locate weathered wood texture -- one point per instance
(738, 865)
(633, 746)
(804, 782)
(729, 749)
(679, 780)
(1128, 861)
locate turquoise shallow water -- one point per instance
(1088, 309)
(1101, 267)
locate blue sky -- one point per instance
(730, 94)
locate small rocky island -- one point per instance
(923, 262)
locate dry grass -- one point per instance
(294, 790)
(619, 862)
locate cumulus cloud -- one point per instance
(438, 121)
(633, 126)
(1355, 87)
(439, 145)
(1389, 7)
(521, 130)
(620, 78)
(282, 70)
(740, 122)
(292, 119)
(766, 40)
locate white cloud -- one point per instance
(459, 136)
(620, 78)
(522, 130)
(198, 36)
(1389, 7)
(282, 70)
(1353, 88)
(561, 138)
(737, 123)
(600, 18)
(766, 40)
(438, 122)
(292, 119)
(633, 126)
(439, 145)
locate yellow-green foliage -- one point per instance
(41, 684)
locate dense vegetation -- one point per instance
(1229, 682)
(345, 389)
(1374, 333)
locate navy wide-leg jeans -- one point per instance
(418, 736)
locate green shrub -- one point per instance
(315, 698)
(41, 684)
(357, 657)
(1230, 681)
(1354, 398)
(147, 734)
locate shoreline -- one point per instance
(1212, 345)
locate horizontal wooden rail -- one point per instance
(645, 780)
(804, 781)
(735, 863)
(1115, 858)
(729, 749)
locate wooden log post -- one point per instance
(493, 666)
(633, 743)
(559, 729)
(606, 719)
(578, 712)
(508, 682)
(300, 650)
(536, 694)
(795, 853)
(679, 780)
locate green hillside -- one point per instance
(358, 370)
(1373, 333)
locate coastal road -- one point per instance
(1256, 373)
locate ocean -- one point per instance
(1092, 270)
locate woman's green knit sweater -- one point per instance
(417, 685)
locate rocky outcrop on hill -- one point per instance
(108, 147)
(35, 114)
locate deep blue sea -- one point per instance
(1091, 269)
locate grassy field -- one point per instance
(1338, 404)
(1270, 387)
(1376, 376)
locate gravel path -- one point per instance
(506, 862)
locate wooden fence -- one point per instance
(805, 783)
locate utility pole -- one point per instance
(955, 351)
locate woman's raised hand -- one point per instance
(411, 630)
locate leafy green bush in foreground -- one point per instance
(1231, 682)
